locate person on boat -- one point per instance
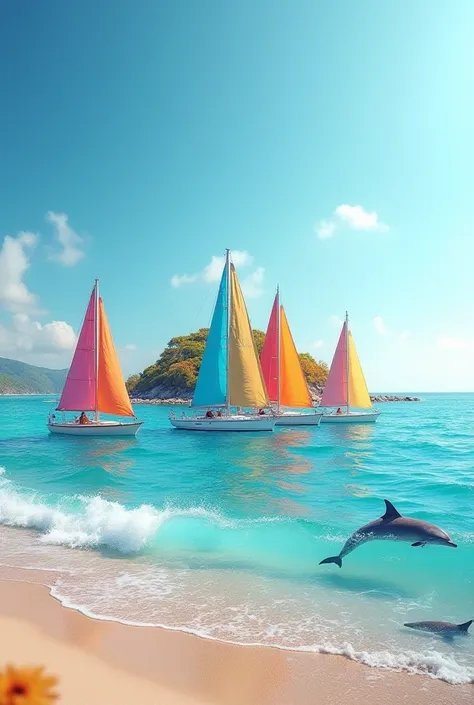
(83, 418)
(219, 412)
(339, 412)
(209, 414)
(261, 412)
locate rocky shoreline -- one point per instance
(381, 399)
(388, 398)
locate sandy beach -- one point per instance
(107, 662)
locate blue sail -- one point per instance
(211, 386)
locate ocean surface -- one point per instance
(221, 534)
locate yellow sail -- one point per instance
(294, 391)
(358, 392)
(245, 379)
(112, 394)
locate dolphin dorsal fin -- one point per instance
(464, 627)
(390, 511)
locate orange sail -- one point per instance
(112, 395)
(294, 390)
(281, 366)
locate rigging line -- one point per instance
(198, 313)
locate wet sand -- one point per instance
(107, 662)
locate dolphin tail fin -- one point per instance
(465, 627)
(332, 559)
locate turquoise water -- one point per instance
(222, 534)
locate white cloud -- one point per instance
(455, 343)
(71, 243)
(356, 217)
(212, 272)
(131, 347)
(252, 285)
(325, 229)
(318, 344)
(14, 262)
(177, 280)
(23, 337)
(50, 337)
(360, 219)
(240, 258)
(380, 326)
(31, 341)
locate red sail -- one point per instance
(335, 391)
(79, 393)
(269, 355)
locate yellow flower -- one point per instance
(26, 686)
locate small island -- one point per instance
(172, 378)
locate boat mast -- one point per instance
(227, 392)
(278, 348)
(347, 363)
(96, 349)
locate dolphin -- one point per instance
(444, 628)
(394, 527)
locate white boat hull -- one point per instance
(101, 428)
(225, 423)
(295, 418)
(352, 417)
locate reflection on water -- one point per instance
(291, 438)
(355, 443)
(105, 455)
(97, 466)
(351, 432)
(280, 473)
(267, 473)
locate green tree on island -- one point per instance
(179, 363)
(132, 382)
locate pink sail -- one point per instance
(79, 393)
(269, 355)
(335, 391)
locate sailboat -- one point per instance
(346, 388)
(282, 372)
(230, 377)
(94, 382)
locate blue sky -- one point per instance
(139, 140)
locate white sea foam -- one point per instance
(428, 663)
(96, 521)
